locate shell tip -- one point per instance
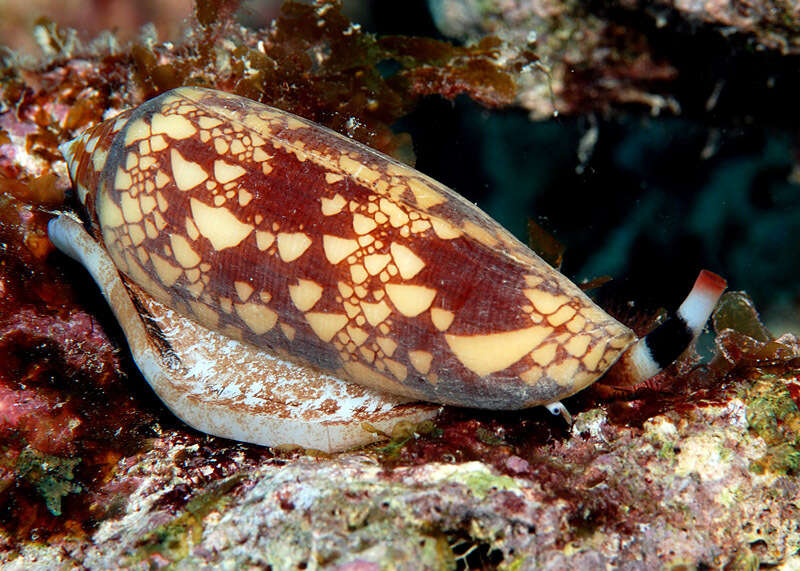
(68, 151)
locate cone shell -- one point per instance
(274, 230)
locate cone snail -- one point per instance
(265, 228)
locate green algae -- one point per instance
(773, 415)
(51, 476)
(476, 476)
(173, 539)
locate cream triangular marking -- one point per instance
(292, 245)
(363, 224)
(226, 172)
(421, 360)
(375, 312)
(441, 318)
(185, 173)
(374, 263)
(331, 206)
(410, 300)
(219, 225)
(305, 294)
(485, 354)
(407, 261)
(243, 290)
(546, 302)
(259, 318)
(326, 325)
(337, 249)
(174, 126)
(425, 196)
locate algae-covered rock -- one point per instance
(698, 469)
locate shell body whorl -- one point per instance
(276, 231)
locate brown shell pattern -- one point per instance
(276, 231)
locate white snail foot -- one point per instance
(231, 389)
